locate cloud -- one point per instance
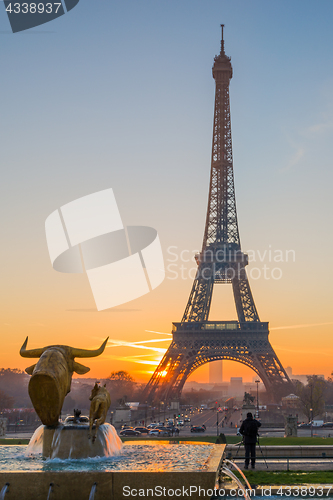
(160, 333)
(298, 351)
(136, 359)
(137, 345)
(114, 310)
(320, 128)
(295, 159)
(153, 340)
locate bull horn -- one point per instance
(31, 353)
(86, 353)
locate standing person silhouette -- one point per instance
(249, 431)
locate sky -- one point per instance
(120, 94)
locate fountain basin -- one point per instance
(171, 473)
(72, 441)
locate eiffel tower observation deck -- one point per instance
(196, 340)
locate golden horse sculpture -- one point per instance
(51, 376)
(100, 403)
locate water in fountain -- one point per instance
(70, 440)
(230, 474)
(149, 456)
(232, 464)
(50, 491)
(35, 446)
(4, 491)
(93, 491)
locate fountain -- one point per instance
(3, 491)
(83, 457)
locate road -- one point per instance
(228, 425)
(227, 422)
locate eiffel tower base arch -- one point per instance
(194, 345)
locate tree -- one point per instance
(15, 382)
(312, 396)
(121, 376)
(69, 404)
(80, 394)
(6, 401)
(121, 385)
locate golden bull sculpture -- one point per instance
(51, 376)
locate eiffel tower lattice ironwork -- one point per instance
(196, 340)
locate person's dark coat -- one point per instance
(249, 429)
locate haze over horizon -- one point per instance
(121, 95)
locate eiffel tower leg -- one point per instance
(198, 305)
(245, 306)
(161, 383)
(273, 375)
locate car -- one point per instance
(328, 425)
(197, 428)
(180, 422)
(166, 430)
(155, 432)
(129, 432)
(187, 419)
(304, 426)
(143, 430)
(151, 426)
(125, 426)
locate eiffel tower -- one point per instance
(196, 340)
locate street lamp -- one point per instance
(311, 416)
(146, 413)
(217, 421)
(311, 409)
(163, 403)
(257, 382)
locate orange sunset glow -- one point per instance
(140, 332)
(89, 128)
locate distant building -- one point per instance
(304, 378)
(290, 401)
(215, 372)
(301, 378)
(236, 387)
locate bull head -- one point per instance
(51, 376)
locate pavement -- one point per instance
(18, 435)
(308, 465)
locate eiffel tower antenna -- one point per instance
(196, 340)
(222, 41)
